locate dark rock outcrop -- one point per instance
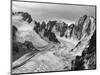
(14, 30)
(37, 27)
(46, 29)
(61, 27)
(25, 16)
(88, 58)
(70, 31)
(79, 27)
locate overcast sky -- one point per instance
(43, 11)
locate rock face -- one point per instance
(88, 58)
(25, 16)
(71, 47)
(79, 26)
(46, 29)
(83, 26)
(14, 30)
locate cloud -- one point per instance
(43, 11)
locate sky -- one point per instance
(45, 12)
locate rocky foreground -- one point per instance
(52, 46)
